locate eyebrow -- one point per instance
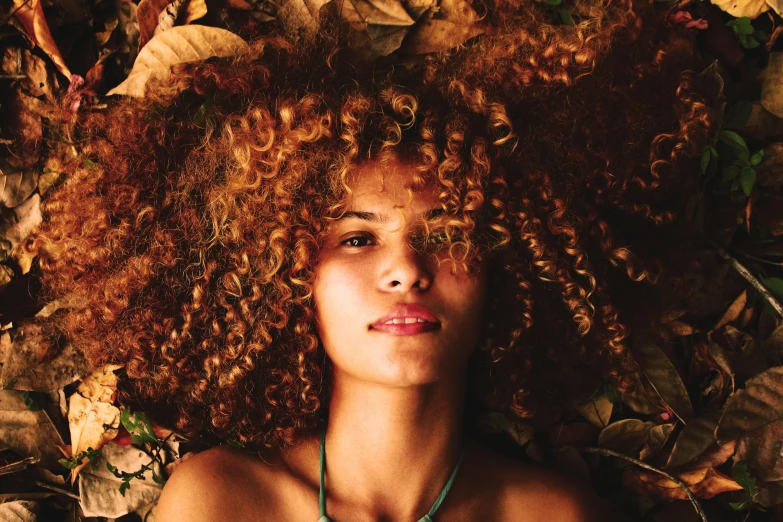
(375, 218)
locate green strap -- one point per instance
(425, 518)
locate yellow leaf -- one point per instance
(30, 13)
(186, 43)
(739, 8)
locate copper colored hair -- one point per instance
(192, 223)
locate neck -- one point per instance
(390, 451)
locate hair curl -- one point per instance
(192, 232)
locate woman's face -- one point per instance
(366, 268)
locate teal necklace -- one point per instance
(425, 518)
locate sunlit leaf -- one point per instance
(187, 43)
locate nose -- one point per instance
(407, 269)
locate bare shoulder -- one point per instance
(544, 494)
(220, 483)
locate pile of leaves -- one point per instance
(701, 439)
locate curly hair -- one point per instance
(562, 154)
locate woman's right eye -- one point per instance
(356, 241)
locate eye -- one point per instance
(356, 241)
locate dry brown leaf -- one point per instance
(383, 12)
(597, 412)
(30, 366)
(147, 13)
(300, 18)
(92, 418)
(26, 217)
(20, 511)
(733, 312)
(453, 24)
(772, 85)
(625, 435)
(656, 440)
(29, 433)
(39, 81)
(694, 439)
(754, 417)
(704, 483)
(195, 9)
(739, 8)
(16, 185)
(168, 17)
(186, 43)
(99, 488)
(30, 14)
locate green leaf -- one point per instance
(158, 479)
(88, 163)
(204, 111)
(744, 26)
(757, 157)
(554, 2)
(124, 487)
(742, 476)
(751, 43)
(760, 35)
(730, 172)
(738, 115)
(733, 139)
(747, 179)
(714, 151)
(565, 16)
(774, 285)
(705, 160)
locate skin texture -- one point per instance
(395, 413)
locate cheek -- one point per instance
(338, 297)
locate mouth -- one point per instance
(406, 328)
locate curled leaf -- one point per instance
(186, 43)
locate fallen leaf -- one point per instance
(739, 8)
(195, 9)
(643, 399)
(187, 43)
(16, 185)
(168, 17)
(703, 483)
(597, 412)
(496, 422)
(771, 90)
(625, 435)
(770, 174)
(664, 377)
(26, 217)
(29, 365)
(30, 14)
(771, 494)
(570, 461)
(656, 440)
(733, 312)
(754, 416)
(300, 18)
(694, 439)
(29, 433)
(147, 13)
(99, 488)
(92, 418)
(20, 511)
(453, 24)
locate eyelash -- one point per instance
(438, 238)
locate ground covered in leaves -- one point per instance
(701, 440)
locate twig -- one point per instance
(12, 76)
(15, 467)
(62, 491)
(755, 283)
(610, 453)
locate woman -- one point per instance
(243, 234)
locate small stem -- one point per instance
(750, 278)
(610, 453)
(62, 491)
(15, 467)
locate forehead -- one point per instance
(389, 184)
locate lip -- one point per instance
(406, 329)
(407, 310)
